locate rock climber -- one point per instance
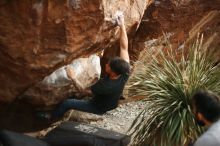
(105, 92)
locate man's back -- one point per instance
(107, 92)
(211, 137)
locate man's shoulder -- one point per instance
(125, 76)
(210, 137)
(207, 140)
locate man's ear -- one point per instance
(200, 116)
(106, 66)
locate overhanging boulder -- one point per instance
(37, 37)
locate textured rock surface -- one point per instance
(57, 86)
(37, 37)
(182, 20)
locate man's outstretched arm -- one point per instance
(71, 75)
(123, 39)
(77, 84)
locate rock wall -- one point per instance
(182, 20)
(57, 86)
(39, 36)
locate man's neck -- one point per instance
(208, 123)
(114, 77)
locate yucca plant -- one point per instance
(168, 80)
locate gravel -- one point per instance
(118, 120)
(121, 118)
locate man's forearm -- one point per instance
(87, 93)
(71, 75)
(123, 38)
(124, 43)
(77, 84)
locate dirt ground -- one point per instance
(21, 117)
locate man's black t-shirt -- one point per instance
(107, 92)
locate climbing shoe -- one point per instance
(43, 115)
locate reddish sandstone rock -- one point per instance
(37, 37)
(182, 20)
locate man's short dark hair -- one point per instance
(208, 104)
(119, 66)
